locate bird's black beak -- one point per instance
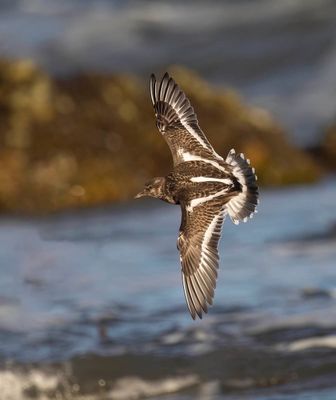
(140, 194)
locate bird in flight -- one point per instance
(205, 185)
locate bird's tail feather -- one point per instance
(243, 206)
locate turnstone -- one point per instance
(206, 186)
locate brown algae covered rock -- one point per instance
(91, 139)
(328, 147)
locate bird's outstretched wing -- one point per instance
(198, 239)
(177, 121)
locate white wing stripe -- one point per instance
(192, 157)
(208, 234)
(177, 106)
(209, 179)
(194, 134)
(195, 202)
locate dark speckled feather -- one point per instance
(177, 121)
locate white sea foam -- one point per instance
(14, 385)
(310, 343)
(136, 388)
(173, 338)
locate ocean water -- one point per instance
(92, 306)
(280, 55)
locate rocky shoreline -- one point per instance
(91, 139)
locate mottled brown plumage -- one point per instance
(206, 186)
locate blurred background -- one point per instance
(91, 301)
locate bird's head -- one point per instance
(153, 188)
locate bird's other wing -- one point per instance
(198, 239)
(177, 121)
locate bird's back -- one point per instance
(199, 179)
